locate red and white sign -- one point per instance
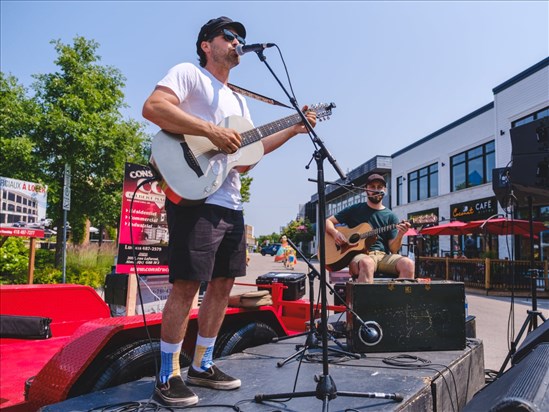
(143, 225)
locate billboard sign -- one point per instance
(22, 208)
(143, 225)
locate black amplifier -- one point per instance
(294, 281)
(412, 316)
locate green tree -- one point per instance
(18, 120)
(80, 124)
(299, 230)
(245, 187)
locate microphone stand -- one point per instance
(312, 334)
(326, 389)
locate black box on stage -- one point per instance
(116, 289)
(294, 281)
(412, 316)
(340, 290)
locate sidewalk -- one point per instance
(492, 313)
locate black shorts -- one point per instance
(206, 242)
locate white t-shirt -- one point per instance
(202, 95)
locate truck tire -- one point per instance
(247, 336)
(132, 362)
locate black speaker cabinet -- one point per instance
(524, 387)
(116, 289)
(531, 137)
(529, 174)
(412, 316)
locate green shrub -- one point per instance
(48, 275)
(86, 265)
(14, 261)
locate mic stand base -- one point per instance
(312, 341)
(326, 391)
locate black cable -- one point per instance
(409, 361)
(156, 366)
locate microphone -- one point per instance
(242, 50)
(376, 192)
(370, 333)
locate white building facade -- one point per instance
(449, 172)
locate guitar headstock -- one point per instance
(323, 110)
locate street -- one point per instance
(492, 314)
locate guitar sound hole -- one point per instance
(355, 237)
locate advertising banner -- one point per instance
(143, 226)
(22, 208)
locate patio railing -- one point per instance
(487, 274)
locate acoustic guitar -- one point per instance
(192, 168)
(359, 240)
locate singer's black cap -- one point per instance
(215, 25)
(374, 177)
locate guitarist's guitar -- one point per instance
(191, 168)
(359, 240)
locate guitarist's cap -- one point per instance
(215, 25)
(374, 177)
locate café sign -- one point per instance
(474, 209)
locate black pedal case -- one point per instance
(413, 316)
(294, 281)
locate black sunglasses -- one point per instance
(230, 36)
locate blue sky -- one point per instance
(397, 71)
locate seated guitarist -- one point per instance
(382, 255)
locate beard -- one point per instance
(375, 199)
(225, 57)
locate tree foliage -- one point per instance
(75, 119)
(299, 230)
(246, 182)
(18, 120)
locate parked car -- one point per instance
(270, 249)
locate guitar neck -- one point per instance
(375, 232)
(254, 135)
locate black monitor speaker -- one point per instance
(522, 388)
(533, 339)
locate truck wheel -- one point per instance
(132, 362)
(250, 335)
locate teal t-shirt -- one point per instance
(362, 213)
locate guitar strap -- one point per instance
(256, 96)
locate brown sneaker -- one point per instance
(212, 378)
(174, 393)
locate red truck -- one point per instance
(90, 350)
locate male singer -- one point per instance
(207, 242)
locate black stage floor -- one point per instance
(427, 381)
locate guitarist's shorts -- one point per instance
(206, 242)
(385, 264)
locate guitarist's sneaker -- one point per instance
(212, 378)
(174, 393)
